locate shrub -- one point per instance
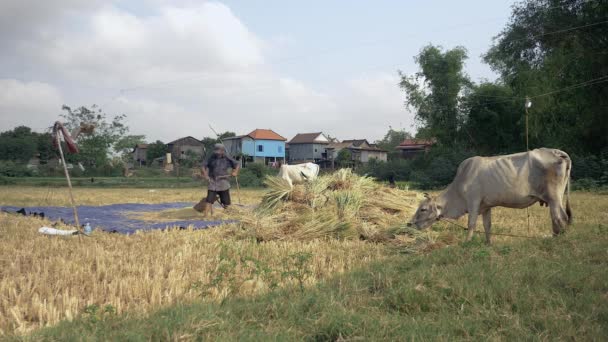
(10, 168)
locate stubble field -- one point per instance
(44, 280)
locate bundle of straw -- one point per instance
(341, 205)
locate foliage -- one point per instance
(391, 140)
(434, 91)
(344, 158)
(155, 150)
(95, 147)
(533, 59)
(208, 142)
(191, 160)
(493, 126)
(21, 144)
(124, 146)
(10, 168)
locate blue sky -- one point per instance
(173, 67)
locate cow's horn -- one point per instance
(426, 195)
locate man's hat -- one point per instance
(219, 147)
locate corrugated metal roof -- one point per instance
(307, 138)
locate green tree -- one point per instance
(19, 144)
(391, 140)
(208, 142)
(344, 159)
(434, 92)
(493, 126)
(558, 50)
(95, 148)
(155, 150)
(124, 146)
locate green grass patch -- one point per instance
(544, 289)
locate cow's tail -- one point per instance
(568, 209)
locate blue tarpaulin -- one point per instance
(116, 218)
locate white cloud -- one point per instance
(33, 103)
(182, 67)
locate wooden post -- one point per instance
(527, 105)
(67, 177)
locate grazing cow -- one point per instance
(513, 181)
(300, 173)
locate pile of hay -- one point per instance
(341, 205)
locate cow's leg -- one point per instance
(473, 212)
(487, 224)
(558, 216)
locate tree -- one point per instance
(558, 52)
(493, 126)
(155, 150)
(344, 159)
(208, 142)
(391, 140)
(124, 146)
(434, 92)
(19, 144)
(94, 148)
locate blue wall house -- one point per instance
(259, 146)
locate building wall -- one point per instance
(367, 155)
(318, 150)
(140, 154)
(180, 151)
(270, 148)
(300, 152)
(233, 146)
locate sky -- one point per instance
(176, 67)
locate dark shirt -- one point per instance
(218, 171)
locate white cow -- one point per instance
(300, 173)
(513, 181)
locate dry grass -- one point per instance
(47, 279)
(341, 205)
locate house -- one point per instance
(181, 147)
(139, 154)
(259, 146)
(308, 147)
(360, 150)
(412, 147)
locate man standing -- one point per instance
(215, 171)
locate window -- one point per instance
(260, 148)
(280, 149)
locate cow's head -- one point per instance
(428, 212)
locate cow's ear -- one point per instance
(426, 195)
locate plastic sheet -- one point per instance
(114, 218)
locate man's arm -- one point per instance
(236, 166)
(205, 170)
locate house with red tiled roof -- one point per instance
(412, 147)
(258, 146)
(360, 151)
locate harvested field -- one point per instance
(44, 280)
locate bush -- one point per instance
(254, 174)
(12, 169)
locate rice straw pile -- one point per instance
(341, 205)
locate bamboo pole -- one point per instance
(67, 177)
(526, 106)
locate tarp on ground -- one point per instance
(118, 218)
